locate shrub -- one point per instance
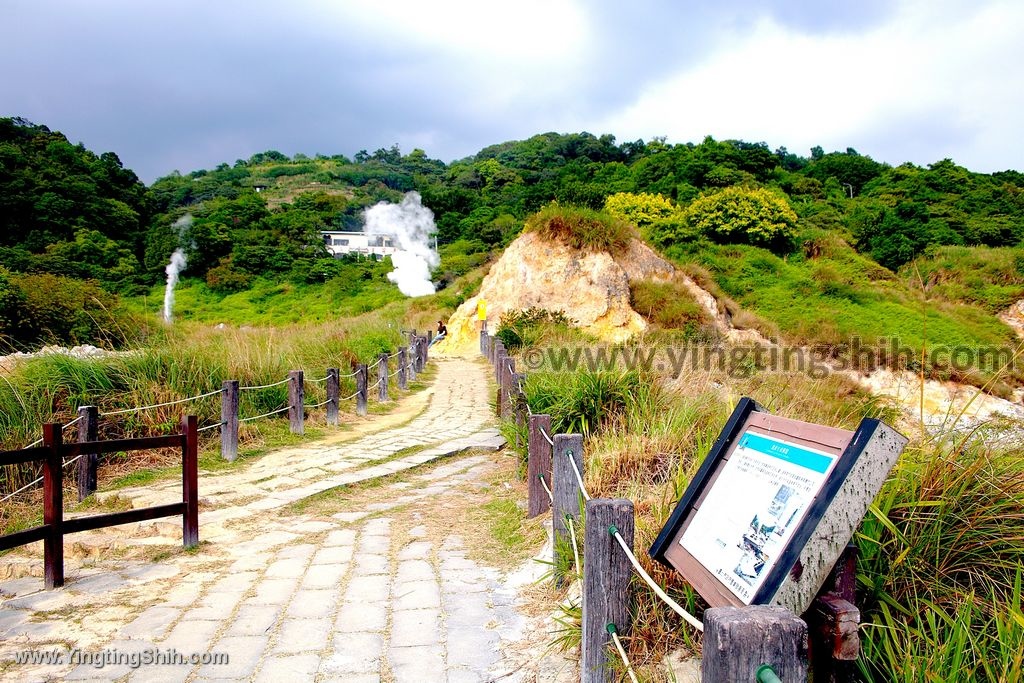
(581, 228)
(517, 329)
(225, 278)
(668, 305)
(753, 216)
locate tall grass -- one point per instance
(581, 228)
(942, 548)
(183, 361)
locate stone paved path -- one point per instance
(375, 584)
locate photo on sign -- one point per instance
(746, 520)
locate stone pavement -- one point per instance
(375, 583)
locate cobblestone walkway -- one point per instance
(372, 584)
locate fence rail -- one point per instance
(411, 359)
(608, 560)
(55, 527)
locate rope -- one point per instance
(614, 632)
(397, 370)
(375, 384)
(39, 441)
(168, 403)
(322, 403)
(544, 433)
(689, 618)
(317, 381)
(575, 549)
(39, 479)
(267, 386)
(545, 485)
(215, 424)
(579, 477)
(395, 354)
(350, 396)
(272, 412)
(26, 486)
(351, 374)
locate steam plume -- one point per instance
(176, 265)
(409, 224)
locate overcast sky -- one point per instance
(188, 84)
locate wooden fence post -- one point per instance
(190, 480)
(362, 379)
(499, 377)
(53, 508)
(296, 398)
(606, 575)
(333, 395)
(508, 384)
(88, 419)
(566, 491)
(483, 342)
(403, 362)
(229, 420)
(520, 407)
(499, 353)
(538, 463)
(740, 640)
(382, 377)
(411, 365)
(421, 353)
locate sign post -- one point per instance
(772, 507)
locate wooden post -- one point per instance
(88, 419)
(411, 365)
(362, 380)
(296, 398)
(740, 640)
(833, 622)
(403, 362)
(53, 508)
(538, 462)
(519, 406)
(421, 353)
(606, 575)
(499, 354)
(229, 420)
(508, 383)
(498, 377)
(382, 377)
(483, 342)
(190, 480)
(333, 395)
(566, 491)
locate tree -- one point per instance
(736, 214)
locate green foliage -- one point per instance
(518, 329)
(41, 308)
(992, 278)
(582, 402)
(581, 228)
(752, 216)
(668, 305)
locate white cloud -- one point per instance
(927, 63)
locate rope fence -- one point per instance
(689, 618)
(162, 405)
(543, 483)
(272, 412)
(317, 405)
(579, 477)
(544, 433)
(614, 633)
(318, 381)
(213, 426)
(266, 386)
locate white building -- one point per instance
(339, 243)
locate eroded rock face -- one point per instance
(590, 288)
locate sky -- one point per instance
(190, 84)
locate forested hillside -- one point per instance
(814, 248)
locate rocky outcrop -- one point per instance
(592, 288)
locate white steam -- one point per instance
(410, 225)
(177, 264)
(173, 268)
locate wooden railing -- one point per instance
(53, 453)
